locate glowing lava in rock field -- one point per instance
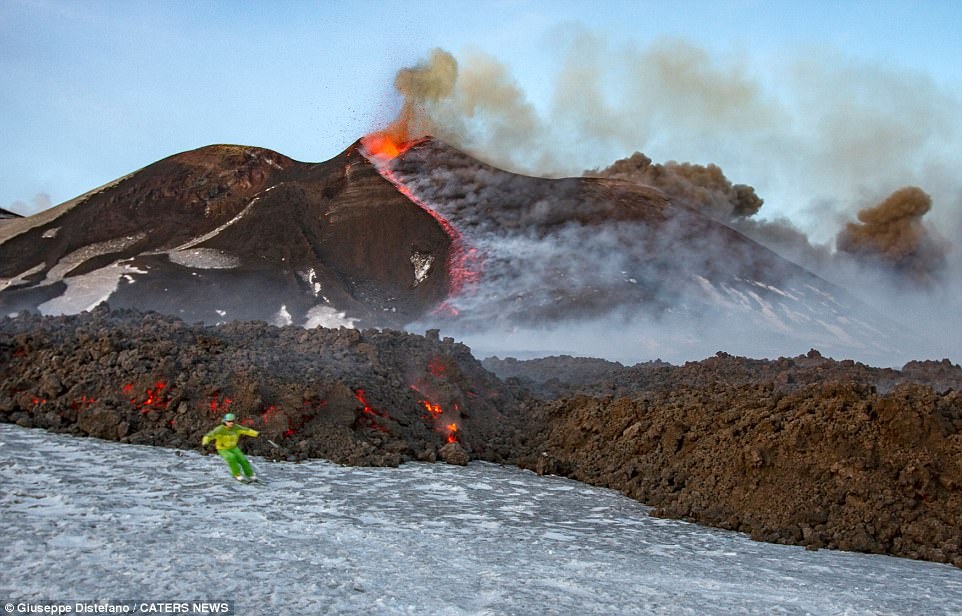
(436, 411)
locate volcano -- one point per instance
(232, 233)
(423, 235)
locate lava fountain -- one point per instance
(421, 85)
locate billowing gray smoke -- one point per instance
(890, 236)
(837, 130)
(602, 266)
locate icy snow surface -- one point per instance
(84, 519)
(20, 278)
(204, 258)
(91, 251)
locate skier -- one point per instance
(225, 437)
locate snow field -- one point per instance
(86, 519)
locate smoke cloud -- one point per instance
(818, 135)
(703, 187)
(488, 112)
(892, 234)
(39, 203)
(421, 85)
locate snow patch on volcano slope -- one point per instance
(86, 291)
(204, 258)
(422, 266)
(21, 277)
(68, 262)
(215, 232)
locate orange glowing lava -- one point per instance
(219, 406)
(155, 398)
(386, 144)
(381, 145)
(434, 409)
(370, 413)
(436, 412)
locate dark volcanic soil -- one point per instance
(804, 450)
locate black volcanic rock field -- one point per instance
(805, 450)
(349, 396)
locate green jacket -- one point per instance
(226, 438)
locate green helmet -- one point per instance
(229, 417)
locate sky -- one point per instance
(94, 90)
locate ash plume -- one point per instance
(813, 135)
(488, 115)
(703, 187)
(420, 86)
(892, 234)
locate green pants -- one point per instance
(236, 460)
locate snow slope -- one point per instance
(84, 519)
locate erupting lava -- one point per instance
(464, 263)
(420, 86)
(384, 145)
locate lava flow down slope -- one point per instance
(422, 235)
